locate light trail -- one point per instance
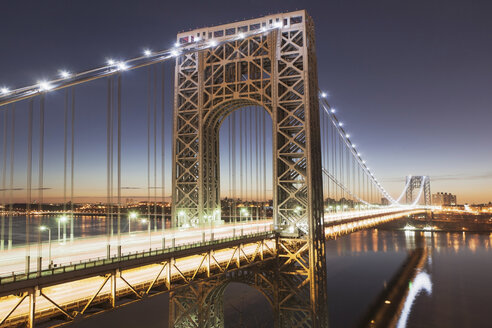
(85, 249)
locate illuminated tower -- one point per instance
(420, 183)
(268, 62)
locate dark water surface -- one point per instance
(359, 266)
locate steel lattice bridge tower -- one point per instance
(421, 183)
(322, 188)
(277, 71)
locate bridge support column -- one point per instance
(32, 308)
(28, 264)
(113, 289)
(300, 287)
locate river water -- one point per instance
(359, 267)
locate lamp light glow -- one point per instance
(65, 74)
(147, 52)
(44, 85)
(121, 66)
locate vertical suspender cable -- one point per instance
(41, 153)
(233, 136)
(4, 180)
(333, 163)
(229, 144)
(65, 137)
(11, 184)
(29, 184)
(119, 163)
(40, 168)
(250, 109)
(149, 100)
(257, 160)
(241, 159)
(72, 163)
(108, 169)
(326, 126)
(163, 165)
(155, 149)
(111, 158)
(264, 165)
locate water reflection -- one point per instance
(453, 283)
(421, 283)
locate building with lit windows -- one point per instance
(443, 199)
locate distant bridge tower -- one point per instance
(420, 183)
(271, 62)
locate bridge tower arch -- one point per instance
(201, 304)
(271, 63)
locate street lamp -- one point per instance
(244, 212)
(44, 228)
(131, 216)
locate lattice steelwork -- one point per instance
(417, 183)
(277, 70)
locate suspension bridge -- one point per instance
(257, 168)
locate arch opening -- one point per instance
(239, 304)
(245, 164)
(245, 306)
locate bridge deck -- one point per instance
(75, 287)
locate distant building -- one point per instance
(384, 201)
(443, 199)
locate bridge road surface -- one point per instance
(91, 248)
(87, 248)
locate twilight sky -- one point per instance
(410, 79)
